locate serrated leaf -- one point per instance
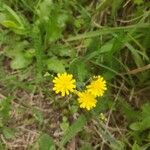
(55, 65)
(76, 127)
(13, 15)
(12, 20)
(46, 142)
(52, 19)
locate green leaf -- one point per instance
(20, 61)
(61, 50)
(38, 115)
(46, 142)
(65, 124)
(13, 14)
(136, 56)
(146, 146)
(136, 147)
(115, 6)
(127, 110)
(5, 108)
(138, 2)
(76, 127)
(14, 21)
(9, 24)
(52, 19)
(142, 125)
(8, 133)
(44, 9)
(117, 145)
(106, 48)
(55, 65)
(143, 122)
(39, 53)
(103, 5)
(86, 146)
(79, 69)
(102, 105)
(146, 110)
(2, 146)
(107, 30)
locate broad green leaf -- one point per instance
(141, 125)
(136, 147)
(76, 127)
(55, 65)
(46, 142)
(9, 24)
(20, 61)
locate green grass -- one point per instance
(41, 38)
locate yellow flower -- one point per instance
(64, 83)
(86, 100)
(97, 86)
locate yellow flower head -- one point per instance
(97, 86)
(64, 83)
(86, 100)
